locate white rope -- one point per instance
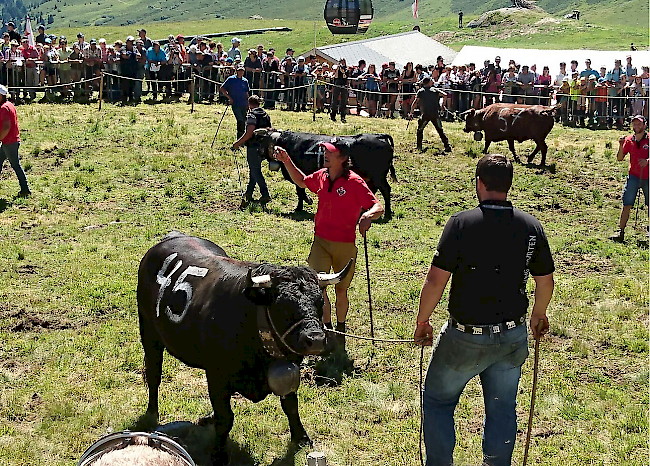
(277, 89)
(53, 86)
(148, 80)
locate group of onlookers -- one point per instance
(589, 96)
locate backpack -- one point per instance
(262, 119)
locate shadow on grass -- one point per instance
(296, 215)
(4, 204)
(329, 370)
(541, 169)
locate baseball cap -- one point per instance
(290, 50)
(329, 147)
(142, 30)
(93, 41)
(234, 39)
(130, 38)
(240, 67)
(180, 36)
(229, 60)
(12, 24)
(641, 118)
(4, 90)
(40, 26)
(301, 58)
(49, 41)
(80, 34)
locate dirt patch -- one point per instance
(21, 320)
(581, 265)
(27, 269)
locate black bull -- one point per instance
(371, 156)
(204, 308)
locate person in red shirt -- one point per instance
(637, 146)
(10, 139)
(31, 55)
(344, 201)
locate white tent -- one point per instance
(550, 58)
(401, 48)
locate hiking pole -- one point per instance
(234, 156)
(532, 396)
(372, 326)
(219, 126)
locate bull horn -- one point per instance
(325, 279)
(465, 112)
(261, 132)
(262, 281)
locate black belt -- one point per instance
(489, 328)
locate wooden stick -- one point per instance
(532, 396)
(101, 89)
(372, 325)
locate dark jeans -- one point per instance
(457, 358)
(255, 176)
(422, 123)
(10, 151)
(240, 116)
(340, 100)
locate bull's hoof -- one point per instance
(303, 441)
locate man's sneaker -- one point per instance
(619, 236)
(265, 200)
(333, 117)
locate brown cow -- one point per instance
(513, 122)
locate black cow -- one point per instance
(214, 312)
(371, 156)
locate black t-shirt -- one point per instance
(40, 39)
(341, 76)
(429, 103)
(14, 35)
(490, 251)
(259, 118)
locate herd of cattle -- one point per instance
(235, 319)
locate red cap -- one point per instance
(329, 147)
(180, 36)
(641, 118)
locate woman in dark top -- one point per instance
(253, 66)
(340, 90)
(408, 86)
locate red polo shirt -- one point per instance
(339, 204)
(8, 113)
(637, 152)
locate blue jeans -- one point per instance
(240, 116)
(457, 358)
(10, 151)
(632, 185)
(255, 176)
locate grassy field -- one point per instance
(108, 185)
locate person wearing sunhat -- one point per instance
(237, 91)
(234, 50)
(345, 203)
(637, 146)
(10, 139)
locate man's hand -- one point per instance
(280, 154)
(535, 323)
(423, 335)
(621, 140)
(365, 222)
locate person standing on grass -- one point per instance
(489, 252)
(637, 146)
(344, 201)
(236, 90)
(256, 118)
(428, 101)
(10, 139)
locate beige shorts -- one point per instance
(326, 255)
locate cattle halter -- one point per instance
(267, 330)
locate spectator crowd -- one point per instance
(597, 98)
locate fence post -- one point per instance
(192, 90)
(101, 88)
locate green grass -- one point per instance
(107, 185)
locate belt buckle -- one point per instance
(511, 324)
(477, 330)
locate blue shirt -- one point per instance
(587, 73)
(237, 89)
(153, 56)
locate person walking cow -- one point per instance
(428, 101)
(248, 325)
(344, 202)
(489, 252)
(10, 139)
(257, 118)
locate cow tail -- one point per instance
(393, 175)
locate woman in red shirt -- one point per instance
(10, 139)
(344, 201)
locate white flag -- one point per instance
(414, 7)
(29, 33)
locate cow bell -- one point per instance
(478, 136)
(274, 165)
(283, 377)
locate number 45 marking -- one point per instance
(180, 285)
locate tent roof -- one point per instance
(551, 58)
(400, 48)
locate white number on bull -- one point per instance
(180, 285)
(514, 117)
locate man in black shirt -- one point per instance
(255, 119)
(428, 100)
(490, 251)
(340, 90)
(13, 34)
(40, 38)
